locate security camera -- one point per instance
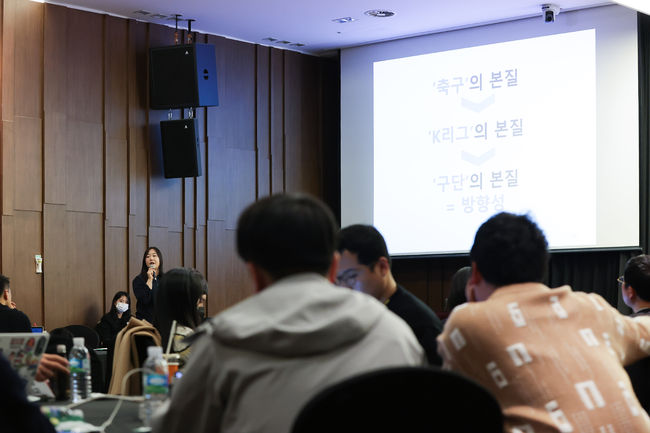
(549, 12)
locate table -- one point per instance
(97, 412)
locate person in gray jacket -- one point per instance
(257, 363)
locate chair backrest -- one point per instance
(91, 337)
(403, 399)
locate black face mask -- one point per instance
(201, 312)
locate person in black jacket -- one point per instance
(116, 319)
(145, 285)
(365, 267)
(11, 319)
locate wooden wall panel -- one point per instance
(116, 277)
(174, 251)
(201, 195)
(236, 80)
(302, 124)
(200, 255)
(28, 59)
(263, 106)
(228, 277)
(55, 267)
(25, 280)
(189, 248)
(8, 259)
(277, 121)
(217, 166)
(116, 158)
(8, 167)
(115, 77)
(84, 167)
(55, 132)
(8, 57)
(85, 269)
(28, 163)
(239, 182)
(84, 66)
(55, 143)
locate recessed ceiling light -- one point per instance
(283, 42)
(379, 13)
(159, 16)
(343, 20)
(142, 12)
(270, 39)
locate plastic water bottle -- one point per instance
(80, 382)
(155, 383)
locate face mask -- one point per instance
(121, 307)
(201, 311)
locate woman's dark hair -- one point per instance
(117, 296)
(176, 299)
(457, 292)
(145, 268)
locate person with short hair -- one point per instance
(365, 266)
(11, 318)
(635, 290)
(553, 358)
(257, 363)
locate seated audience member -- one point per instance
(552, 357)
(635, 288)
(13, 320)
(17, 413)
(257, 363)
(203, 305)
(457, 292)
(177, 299)
(365, 267)
(115, 320)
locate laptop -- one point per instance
(24, 351)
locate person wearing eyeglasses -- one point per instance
(365, 267)
(635, 289)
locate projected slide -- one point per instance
(463, 134)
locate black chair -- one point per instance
(91, 337)
(404, 399)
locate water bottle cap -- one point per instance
(78, 341)
(154, 351)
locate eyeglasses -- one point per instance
(348, 278)
(621, 280)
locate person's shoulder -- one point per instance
(405, 301)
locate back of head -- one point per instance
(287, 234)
(457, 292)
(365, 241)
(176, 299)
(510, 249)
(637, 275)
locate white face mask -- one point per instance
(122, 307)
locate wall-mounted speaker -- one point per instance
(180, 148)
(182, 76)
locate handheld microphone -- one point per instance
(154, 272)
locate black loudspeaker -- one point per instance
(180, 148)
(182, 76)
